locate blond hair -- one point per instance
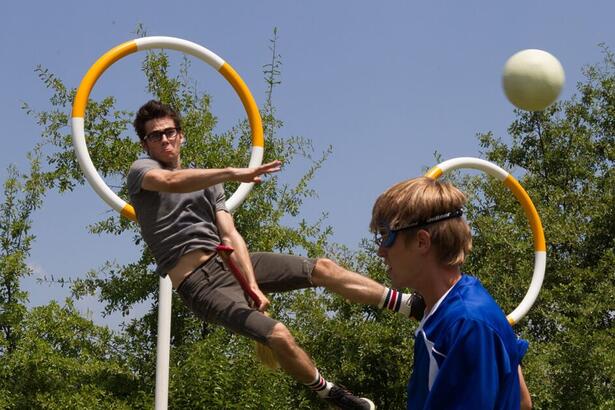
(415, 201)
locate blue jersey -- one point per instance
(466, 354)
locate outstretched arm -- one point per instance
(241, 258)
(189, 180)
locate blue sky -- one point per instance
(386, 83)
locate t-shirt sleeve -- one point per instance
(473, 369)
(220, 198)
(136, 173)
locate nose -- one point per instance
(382, 251)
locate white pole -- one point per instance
(163, 346)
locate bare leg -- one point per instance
(291, 357)
(352, 286)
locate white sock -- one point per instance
(320, 385)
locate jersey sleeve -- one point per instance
(137, 171)
(475, 366)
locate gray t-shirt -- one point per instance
(173, 224)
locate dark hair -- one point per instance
(151, 110)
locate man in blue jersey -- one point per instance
(466, 355)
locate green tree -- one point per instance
(50, 356)
(61, 360)
(22, 195)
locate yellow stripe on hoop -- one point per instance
(94, 73)
(242, 90)
(530, 212)
(434, 173)
(129, 212)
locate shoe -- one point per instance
(344, 399)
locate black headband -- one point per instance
(453, 214)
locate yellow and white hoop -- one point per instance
(148, 43)
(540, 250)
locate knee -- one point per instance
(281, 339)
(324, 270)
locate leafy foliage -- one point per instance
(62, 360)
(22, 195)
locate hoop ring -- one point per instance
(540, 249)
(148, 43)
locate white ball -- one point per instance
(533, 79)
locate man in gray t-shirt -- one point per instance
(183, 218)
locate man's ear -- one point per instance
(144, 146)
(423, 239)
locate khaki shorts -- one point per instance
(215, 296)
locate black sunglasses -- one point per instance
(156, 136)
